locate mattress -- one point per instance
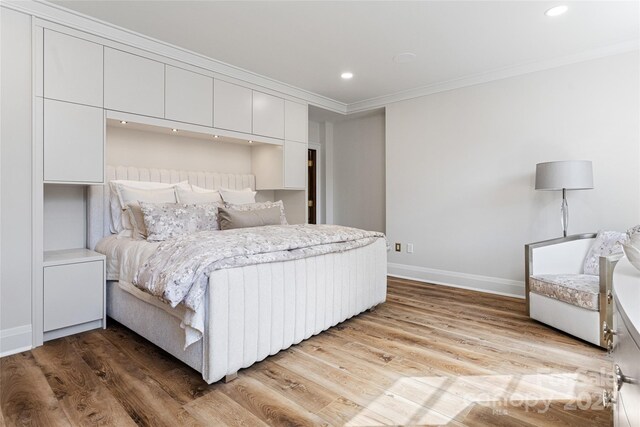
(124, 255)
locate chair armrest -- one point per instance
(606, 267)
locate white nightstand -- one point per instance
(74, 292)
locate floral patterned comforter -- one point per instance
(179, 269)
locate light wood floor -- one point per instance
(430, 355)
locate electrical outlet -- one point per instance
(409, 248)
(398, 247)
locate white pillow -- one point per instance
(197, 195)
(238, 197)
(114, 199)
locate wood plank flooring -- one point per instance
(431, 355)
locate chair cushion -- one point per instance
(581, 290)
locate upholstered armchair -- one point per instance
(561, 295)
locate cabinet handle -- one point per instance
(607, 398)
(607, 331)
(619, 378)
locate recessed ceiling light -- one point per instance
(215, 136)
(346, 75)
(557, 10)
(404, 57)
(124, 122)
(250, 142)
(174, 130)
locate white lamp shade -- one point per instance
(568, 174)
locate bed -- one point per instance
(249, 312)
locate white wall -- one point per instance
(15, 181)
(461, 164)
(359, 172)
(131, 147)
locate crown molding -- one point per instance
(77, 21)
(498, 74)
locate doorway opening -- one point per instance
(312, 202)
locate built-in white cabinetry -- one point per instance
(268, 115)
(74, 292)
(295, 164)
(232, 107)
(73, 143)
(133, 84)
(280, 166)
(188, 96)
(73, 69)
(296, 123)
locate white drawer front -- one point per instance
(73, 294)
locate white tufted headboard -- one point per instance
(98, 210)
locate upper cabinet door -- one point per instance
(188, 97)
(73, 142)
(133, 84)
(268, 115)
(296, 121)
(231, 106)
(72, 69)
(295, 164)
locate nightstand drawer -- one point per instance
(73, 294)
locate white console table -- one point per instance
(625, 396)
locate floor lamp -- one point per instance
(564, 175)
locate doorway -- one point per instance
(312, 202)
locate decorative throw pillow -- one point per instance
(238, 197)
(168, 220)
(260, 205)
(232, 218)
(114, 199)
(128, 194)
(201, 195)
(634, 236)
(606, 243)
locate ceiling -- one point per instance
(308, 44)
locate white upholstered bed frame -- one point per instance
(252, 311)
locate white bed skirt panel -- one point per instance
(256, 311)
(153, 323)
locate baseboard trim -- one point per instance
(15, 340)
(474, 282)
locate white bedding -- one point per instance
(124, 257)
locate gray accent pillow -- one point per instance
(260, 205)
(167, 220)
(231, 218)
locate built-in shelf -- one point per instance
(70, 256)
